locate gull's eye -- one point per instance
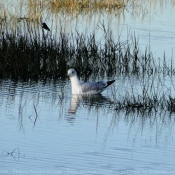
(72, 72)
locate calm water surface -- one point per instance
(46, 130)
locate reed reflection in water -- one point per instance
(79, 133)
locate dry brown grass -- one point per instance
(86, 4)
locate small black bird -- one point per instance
(44, 26)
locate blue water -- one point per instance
(43, 131)
(46, 130)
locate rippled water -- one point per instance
(46, 130)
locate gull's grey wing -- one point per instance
(93, 86)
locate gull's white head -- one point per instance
(71, 72)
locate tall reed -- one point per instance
(29, 53)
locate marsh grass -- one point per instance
(80, 5)
(27, 57)
(30, 53)
(148, 105)
(148, 95)
(37, 10)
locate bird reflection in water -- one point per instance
(89, 101)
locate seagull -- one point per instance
(79, 87)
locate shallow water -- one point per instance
(46, 130)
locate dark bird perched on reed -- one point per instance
(44, 26)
